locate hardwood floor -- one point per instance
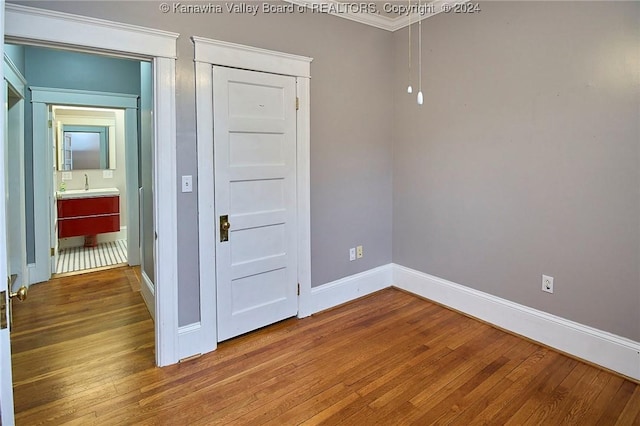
(83, 354)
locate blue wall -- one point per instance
(81, 71)
(69, 70)
(16, 54)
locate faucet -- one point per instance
(86, 182)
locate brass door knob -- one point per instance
(21, 294)
(224, 228)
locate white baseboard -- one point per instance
(346, 289)
(596, 346)
(608, 350)
(32, 274)
(147, 291)
(190, 340)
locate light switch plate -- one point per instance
(67, 176)
(187, 183)
(107, 174)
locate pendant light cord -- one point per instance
(409, 42)
(419, 47)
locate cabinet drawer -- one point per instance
(77, 207)
(90, 225)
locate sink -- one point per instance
(87, 193)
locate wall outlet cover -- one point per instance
(107, 174)
(352, 254)
(547, 284)
(187, 183)
(67, 176)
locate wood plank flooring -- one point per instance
(83, 354)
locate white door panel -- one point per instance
(6, 386)
(255, 160)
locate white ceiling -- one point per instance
(391, 19)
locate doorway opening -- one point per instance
(80, 95)
(91, 143)
(89, 166)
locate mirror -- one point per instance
(85, 138)
(85, 148)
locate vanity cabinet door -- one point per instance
(76, 207)
(88, 216)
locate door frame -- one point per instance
(18, 84)
(41, 100)
(204, 335)
(28, 25)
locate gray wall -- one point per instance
(524, 159)
(16, 54)
(350, 128)
(68, 70)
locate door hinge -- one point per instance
(298, 289)
(297, 103)
(53, 251)
(50, 123)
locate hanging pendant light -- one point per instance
(420, 98)
(409, 88)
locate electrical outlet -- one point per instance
(547, 284)
(352, 254)
(359, 252)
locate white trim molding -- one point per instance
(74, 32)
(16, 208)
(13, 75)
(165, 211)
(53, 95)
(303, 185)
(148, 294)
(605, 349)
(207, 54)
(41, 99)
(346, 289)
(216, 52)
(189, 337)
(40, 25)
(379, 18)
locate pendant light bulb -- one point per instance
(409, 89)
(420, 99)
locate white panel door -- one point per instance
(6, 386)
(255, 186)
